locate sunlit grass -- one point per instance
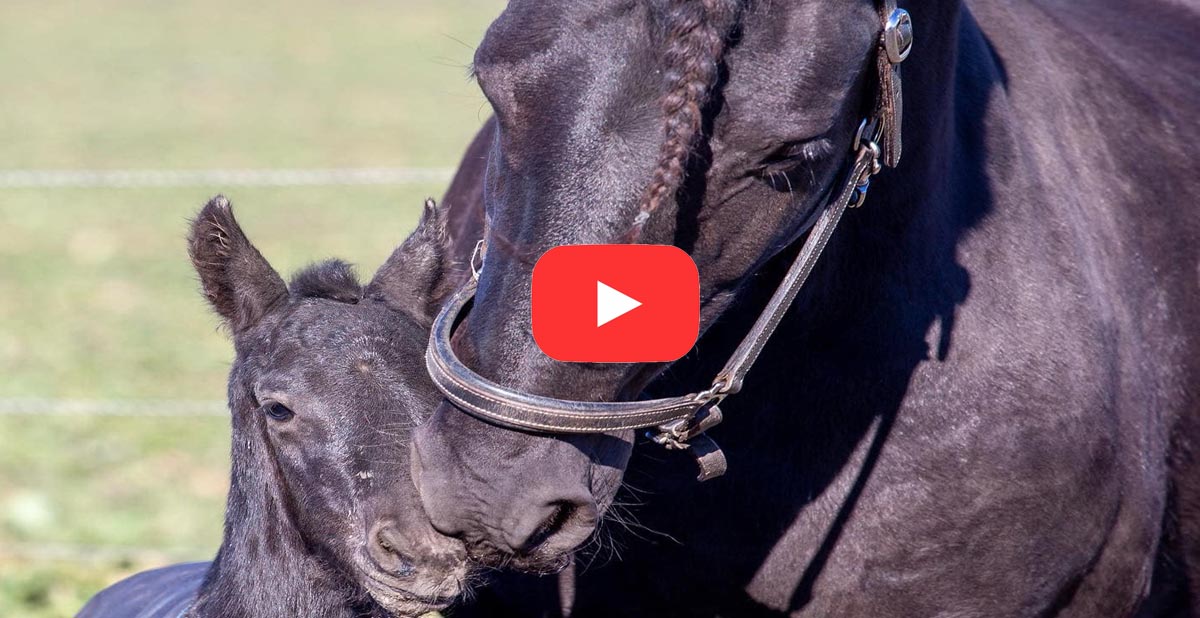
(97, 299)
(303, 83)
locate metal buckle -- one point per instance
(864, 144)
(898, 36)
(870, 130)
(675, 435)
(714, 393)
(688, 435)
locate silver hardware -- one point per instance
(860, 134)
(477, 258)
(898, 36)
(716, 392)
(869, 130)
(876, 154)
(869, 146)
(668, 438)
(676, 434)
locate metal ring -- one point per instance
(477, 257)
(876, 154)
(874, 126)
(860, 134)
(898, 36)
(713, 392)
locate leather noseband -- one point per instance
(680, 422)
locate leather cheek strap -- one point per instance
(894, 45)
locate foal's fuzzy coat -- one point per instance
(322, 518)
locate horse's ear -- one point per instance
(420, 273)
(235, 278)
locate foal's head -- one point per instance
(326, 386)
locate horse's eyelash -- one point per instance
(812, 150)
(798, 153)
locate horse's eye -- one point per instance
(796, 154)
(277, 411)
(792, 168)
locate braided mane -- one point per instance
(695, 43)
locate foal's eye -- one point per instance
(277, 411)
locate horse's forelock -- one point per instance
(696, 33)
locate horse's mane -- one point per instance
(695, 42)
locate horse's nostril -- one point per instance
(556, 528)
(551, 525)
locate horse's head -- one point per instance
(718, 126)
(325, 389)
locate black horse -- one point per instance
(986, 400)
(322, 519)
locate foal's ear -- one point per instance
(420, 273)
(235, 278)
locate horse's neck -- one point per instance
(263, 567)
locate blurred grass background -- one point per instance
(97, 301)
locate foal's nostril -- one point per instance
(386, 546)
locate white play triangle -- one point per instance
(611, 304)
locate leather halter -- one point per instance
(680, 422)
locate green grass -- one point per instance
(97, 300)
(129, 83)
(89, 500)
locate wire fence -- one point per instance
(131, 179)
(34, 406)
(100, 554)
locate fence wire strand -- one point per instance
(100, 554)
(34, 406)
(129, 179)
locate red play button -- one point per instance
(615, 303)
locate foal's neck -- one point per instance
(249, 580)
(264, 567)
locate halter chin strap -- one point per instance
(680, 422)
